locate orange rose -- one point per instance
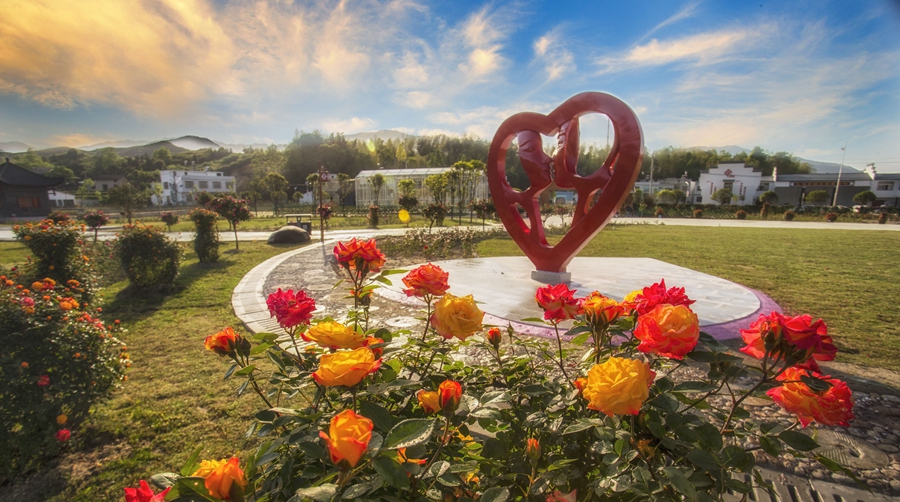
(223, 342)
(832, 407)
(668, 330)
(494, 337)
(533, 449)
(364, 257)
(334, 335)
(429, 401)
(449, 394)
(799, 338)
(219, 476)
(426, 281)
(346, 368)
(601, 310)
(618, 386)
(347, 439)
(456, 317)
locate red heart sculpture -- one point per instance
(613, 180)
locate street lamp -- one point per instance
(840, 171)
(323, 176)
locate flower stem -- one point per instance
(561, 360)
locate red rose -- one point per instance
(291, 309)
(558, 302)
(831, 407)
(657, 294)
(145, 494)
(796, 337)
(63, 435)
(359, 255)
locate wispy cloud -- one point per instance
(553, 56)
(350, 126)
(687, 11)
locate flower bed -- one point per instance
(355, 411)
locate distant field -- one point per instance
(849, 278)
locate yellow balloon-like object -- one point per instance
(403, 214)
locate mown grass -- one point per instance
(174, 400)
(847, 277)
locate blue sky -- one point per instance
(804, 77)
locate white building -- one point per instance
(885, 186)
(742, 180)
(182, 187)
(389, 194)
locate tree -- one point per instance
(768, 196)
(377, 182)
(401, 154)
(31, 160)
(345, 186)
(127, 197)
(407, 189)
(723, 196)
(162, 154)
(866, 198)
(62, 172)
(637, 198)
(667, 196)
(232, 209)
(817, 197)
(437, 185)
(274, 183)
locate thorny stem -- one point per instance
(561, 361)
(438, 452)
(740, 400)
(428, 300)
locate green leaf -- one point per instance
(534, 390)
(798, 440)
(711, 343)
(440, 467)
(738, 486)
(816, 384)
(358, 490)
(230, 371)
(246, 370)
(190, 466)
(486, 413)
(580, 339)
(264, 337)
(383, 280)
(409, 433)
(321, 493)
(391, 472)
(582, 424)
(495, 494)
(378, 415)
(704, 460)
(532, 319)
(680, 482)
(695, 386)
(164, 480)
(192, 487)
(710, 437)
(736, 457)
(666, 403)
(261, 348)
(394, 271)
(770, 445)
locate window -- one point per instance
(165, 185)
(762, 187)
(188, 184)
(217, 184)
(218, 174)
(26, 202)
(728, 185)
(885, 185)
(699, 199)
(104, 187)
(204, 184)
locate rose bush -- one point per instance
(147, 256)
(364, 413)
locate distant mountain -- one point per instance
(13, 147)
(385, 134)
(193, 143)
(125, 143)
(828, 167)
(239, 147)
(148, 149)
(732, 149)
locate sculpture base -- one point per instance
(546, 277)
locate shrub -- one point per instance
(766, 209)
(698, 213)
(325, 211)
(94, 220)
(206, 235)
(58, 359)
(831, 217)
(659, 212)
(408, 202)
(882, 218)
(58, 217)
(520, 420)
(204, 198)
(435, 214)
(741, 214)
(169, 219)
(56, 249)
(372, 216)
(789, 215)
(147, 256)
(483, 208)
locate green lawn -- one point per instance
(847, 277)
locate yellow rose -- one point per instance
(346, 368)
(618, 386)
(219, 475)
(334, 335)
(347, 439)
(456, 316)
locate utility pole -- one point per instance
(840, 172)
(323, 175)
(651, 179)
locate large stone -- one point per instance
(289, 235)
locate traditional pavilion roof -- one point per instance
(12, 174)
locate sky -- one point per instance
(806, 77)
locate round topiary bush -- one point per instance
(169, 219)
(882, 218)
(94, 220)
(766, 209)
(698, 213)
(58, 360)
(56, 249)
(372, 216)
(148, 257)
(659, 212)
(789, 215)
(741, 214)
(206, 235)
(831, 217)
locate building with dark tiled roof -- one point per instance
(24, 192)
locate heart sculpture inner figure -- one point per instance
(599, 194)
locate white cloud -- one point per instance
(687, 11)
(350, 126)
